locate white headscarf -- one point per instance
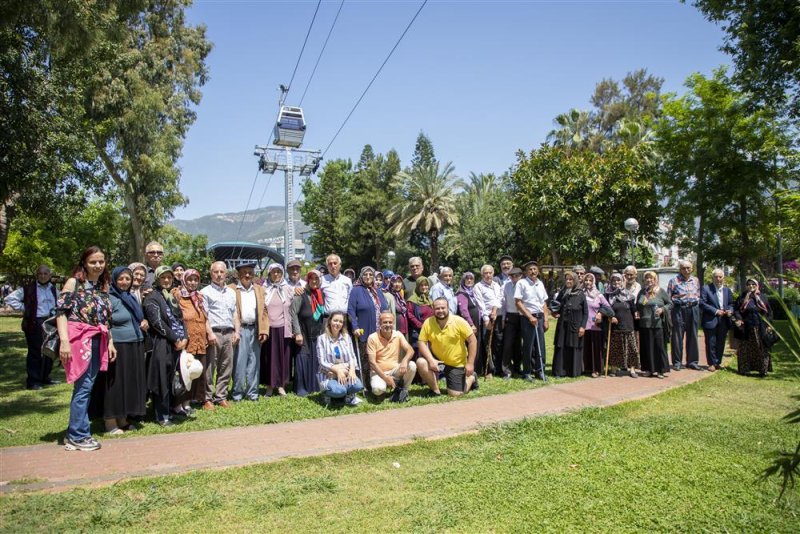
(279, 286)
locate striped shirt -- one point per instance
(684, 291)
(331, 352)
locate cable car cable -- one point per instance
(289, 87)
(374, 77)
(314, 70)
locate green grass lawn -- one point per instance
(30, 417)
(686, 460)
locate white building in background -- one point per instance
(299, 252)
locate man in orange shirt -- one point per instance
(386, 365)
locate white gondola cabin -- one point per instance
(291, 127)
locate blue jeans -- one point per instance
(79, 405)
(247, 367)
(335, 390)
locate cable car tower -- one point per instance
(287, 156)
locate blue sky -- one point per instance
(482, 79)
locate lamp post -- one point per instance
(391, 256)
(779, 246)
(632, 226)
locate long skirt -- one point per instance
(593, 351)
(126, 383)
(654, 356)
(306, 367)
(753, 355)
(568, 361)
(624, 350)
(197, 393)
(275, 363)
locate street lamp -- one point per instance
(391, 255)
(632, 226)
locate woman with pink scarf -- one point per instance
(83, 315)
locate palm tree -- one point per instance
(479, 188)
(428, 204)
(574, 129)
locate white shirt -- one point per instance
(248, 299)
(336, 292)
(491, 295)
(221, 305)
(721, 297)
(509, 304)
(44, 300)
(635, 288)
(532, 294)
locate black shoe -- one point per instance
(475, 383)
(693, 366)
(51, 382)
(34, 387)
(677, 367)
(527, 378)
(506, 377)
(542, 376)
(166, 422)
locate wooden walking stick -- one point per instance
(608, 347)
(488, 365)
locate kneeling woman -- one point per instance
(337, 362)
(169, 338)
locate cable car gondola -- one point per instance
(290, 127)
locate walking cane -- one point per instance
(488, 367)
(539, 351)
(608, 347)
(360, 366)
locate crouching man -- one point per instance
(450, 339)
(387, 368)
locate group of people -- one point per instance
(149, 330)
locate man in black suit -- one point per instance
(716, 303)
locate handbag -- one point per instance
(51, 343)
(178, 387)
(768, 336)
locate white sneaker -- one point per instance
(85, 444)
(352, 400)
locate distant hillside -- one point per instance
(259, 225)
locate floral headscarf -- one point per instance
(195, 296)
(317, 297)
(468, 291)
(399, 301)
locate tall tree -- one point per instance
(721, 160)
(423, 153)
(325, 207)
(763, 37)
(571, 205)
(140, 106)
(95, 92)
(427, 204)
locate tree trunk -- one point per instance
(136, 244)
(7, 213)
(745, 245)
(434, 237)
(701, 256)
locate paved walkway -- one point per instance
(51, 467)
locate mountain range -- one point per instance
(259, 225)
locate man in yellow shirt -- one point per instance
(450, 339)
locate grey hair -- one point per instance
(630, 268)
(487, 266)
(717, 270)
(684, 263)
(413, 259)
(443, 270)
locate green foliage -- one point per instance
(423, 153)
(597, 470)
(486, 228)
(427, 204)
(571, 204)
(347, 208)
(180, 247)
(98, 93)
(720, 160)
(59, 239)
(763, 37)
(620, 115)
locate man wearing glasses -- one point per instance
(153, 257)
